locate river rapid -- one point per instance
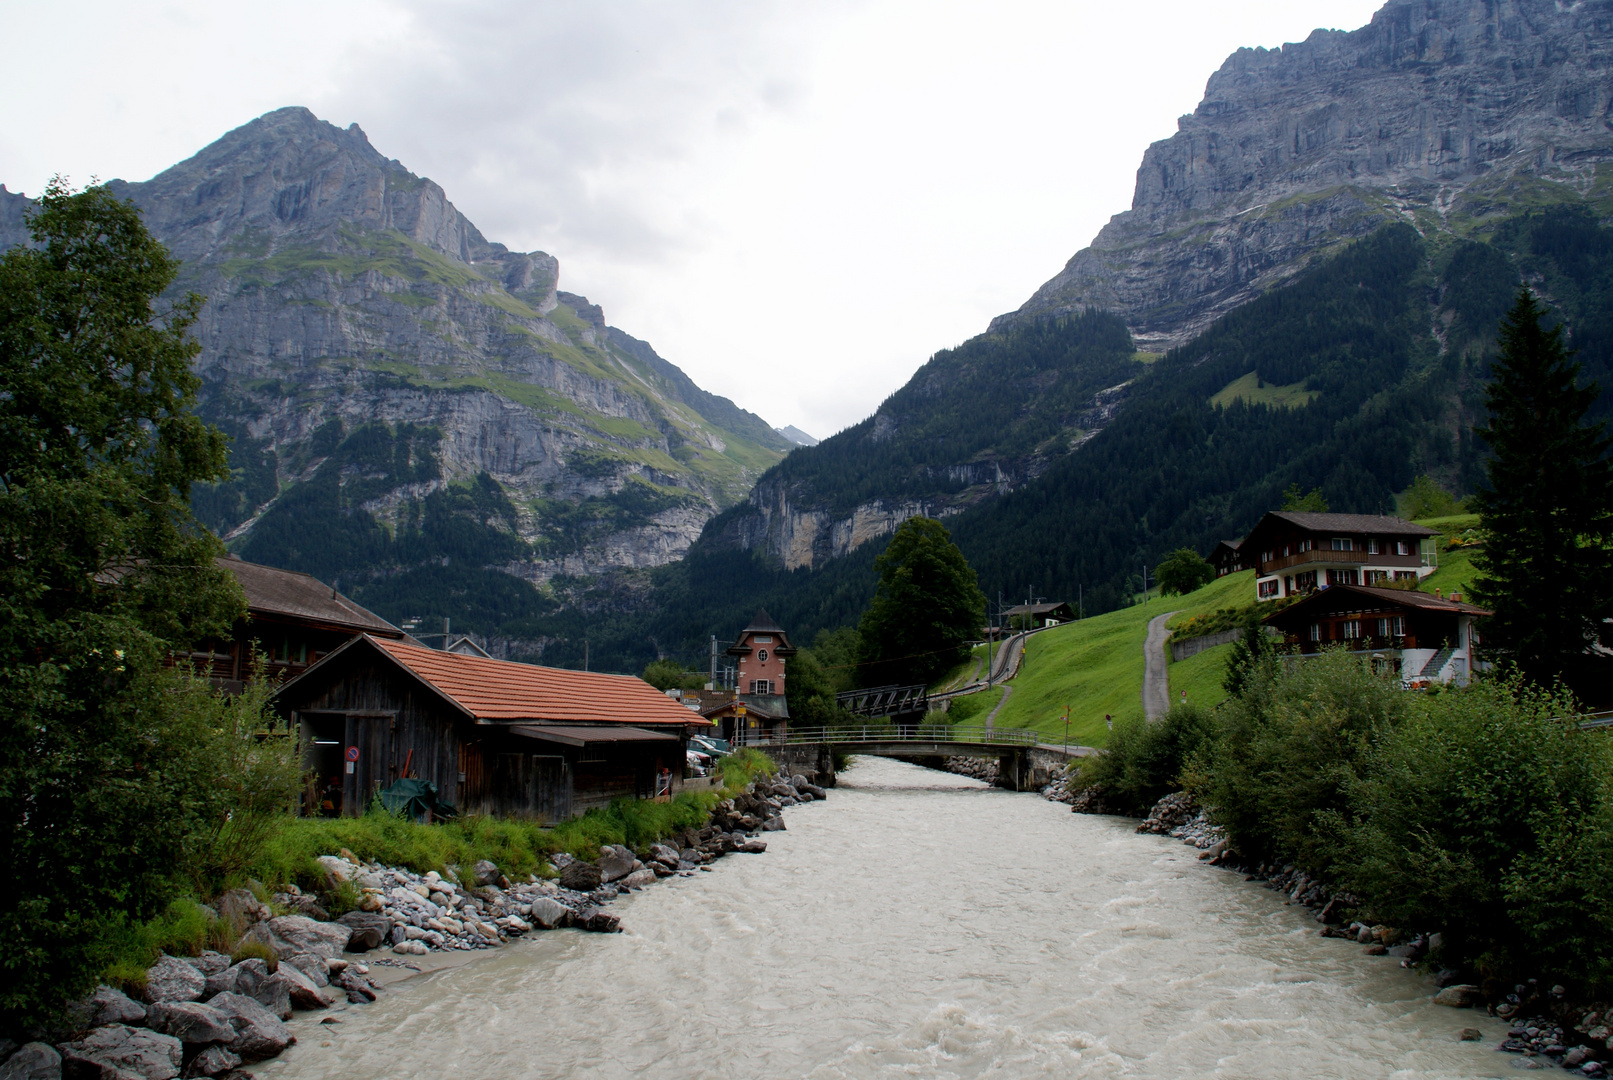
(921, 924)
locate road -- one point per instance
(1156, 684)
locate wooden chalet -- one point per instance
(1227, 558)
(1295, 552)
(495, 737)
(1424, 638)
(295, 619)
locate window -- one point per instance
(1305, 582)
(761, 686)
(1402, 547)
(1380, 628)
(761, 656)
(1341, 577)
(1372, 545)
(1352, 629)
(1374, 577)
(1268, 589)
(1316, 631)
(1397, 626)
(762, 639)
(1343, 543)
(1285, 551)
(1305, 545)
(1405, 575)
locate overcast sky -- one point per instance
(796, 203)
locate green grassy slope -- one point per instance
(1096, 666)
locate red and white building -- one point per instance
(1295, 552)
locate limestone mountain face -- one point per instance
(1444, 113)
(349, 305)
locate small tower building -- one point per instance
(761, 655)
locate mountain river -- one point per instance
(921, 924)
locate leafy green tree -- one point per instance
(1251, 652)
(108, 785)
(1547, 509)
(1183, 571)
(926, 610)
(670, 675)
(1314, 502)
(1425, 499)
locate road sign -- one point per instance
(352, 753)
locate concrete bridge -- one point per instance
(1023, 762)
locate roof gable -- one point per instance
(287, 594)
(1368, 524)
(491, 690)
(1340, 598)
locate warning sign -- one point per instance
(352, 753)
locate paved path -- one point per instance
(1156, 684)
(995, 709)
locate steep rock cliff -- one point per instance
(348, 299)
(1445, 113)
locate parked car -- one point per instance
(717, 748)
(699, 763)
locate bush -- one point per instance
(1145, 761)
(1287, 749)
(1488, 813)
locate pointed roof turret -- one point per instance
(762, 622)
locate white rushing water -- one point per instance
(922, 924)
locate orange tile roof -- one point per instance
(490, 689)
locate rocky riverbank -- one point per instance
(208, 1015)
(1549, 1029)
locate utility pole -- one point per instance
(1080, 604)
(585, 654)
(1066, 729)
(713, 684)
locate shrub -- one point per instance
(1488, 813)
(1145, 760)
(1287, 749)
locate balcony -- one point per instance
(1329, 557)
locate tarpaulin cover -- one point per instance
(416, 798)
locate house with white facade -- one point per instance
(1295, 552)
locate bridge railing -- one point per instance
(930, 733)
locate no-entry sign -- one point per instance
(352, 753)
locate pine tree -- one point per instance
(1547, 509)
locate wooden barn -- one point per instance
(513, 740)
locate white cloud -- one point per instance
(796, 203)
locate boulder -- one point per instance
(337, 869)
(258, 1032)
(600, 922)
(638, 879)
(1459, 996)
(171, 979)
(274, 994)
(753, 847)
(300, 989)
(485, 873)
(317, 968)
(243, 978)
(119, 1052)
(290, 934)
(241, 911)
(579, 876)
(368, 930)
(773, 824)
(209, 963)
(666, 856)
(410, 948)
(190, 1022)
(109, 1006)
(549, 913)
(35, 1061)
(615, 863)
(212, 1061)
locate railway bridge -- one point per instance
(1024, 763)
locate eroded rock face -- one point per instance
(290, 934)
(1427, 113)
(34, 1061)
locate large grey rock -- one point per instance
(638, 879)
(212, 1061)
(258, 1032)
(290, 934)
(301, 990)
(369, 930)
(549, 913)
(615, 863)
(190, 1022)
(119, 1052)
(579, 876)
(209, 963)
(665, 855)
(239, 910)
(171, 979)
(1459, 996)
(109, 1006)
(242, 978)
(486, 873)
(34, 1061)
(274, 994)
(317, 968)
